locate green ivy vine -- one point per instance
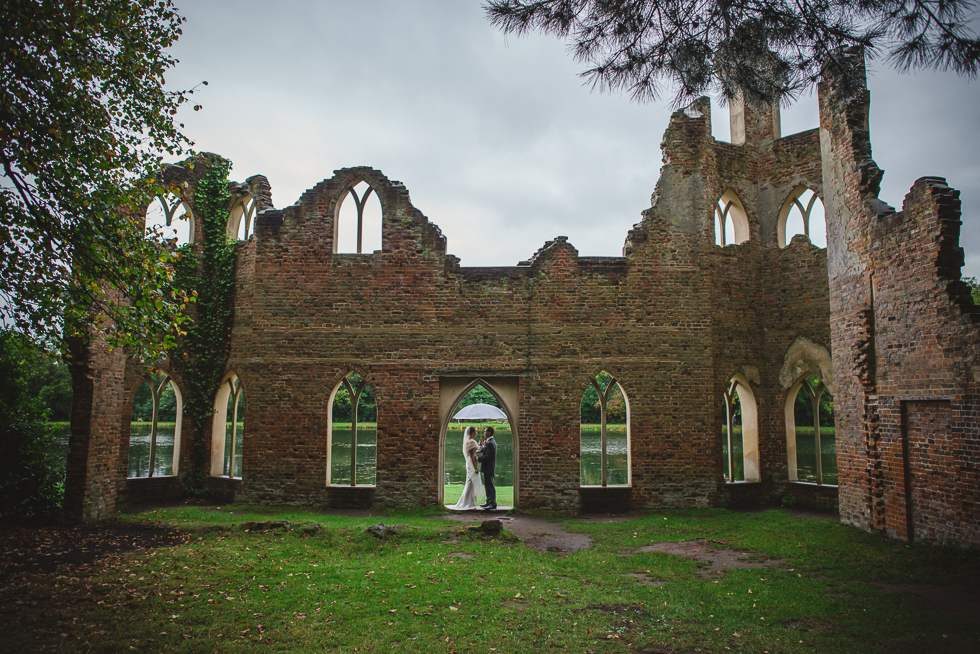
(208, 274)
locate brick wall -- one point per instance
(905, 340)
(673, 319)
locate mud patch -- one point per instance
(536, 533)
(40, 550)
(719, 559)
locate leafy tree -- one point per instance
(974, 289)
(769, 50)
(84, 125)
(477, 395)
(32, 469)
(803, 407)
(615, 408)
(143, 403)
(50, 380)
(367, 405)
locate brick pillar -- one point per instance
(93, 448)
(851, 182)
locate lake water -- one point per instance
(617, 457)
(455, 467)
(806, 460)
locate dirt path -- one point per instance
(536, 533)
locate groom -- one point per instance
(488, 459)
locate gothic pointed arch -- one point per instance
(358, 219)
(604, 433)
(155, 424)
(802, 213)
(505, 392)
(731, 220)
(740, 433)
(228, 429)
(352, 444)
(171, 215)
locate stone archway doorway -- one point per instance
(454, 389)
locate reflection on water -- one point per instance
(367, 455)
(739, 454)
(139, 449)
(806, 458)
(617, 457)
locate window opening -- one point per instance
(154, 428)
(228, 429)
(353, 433)
(604, 433)
(740, 433)
(358, 223)
(816, 441)
(731, 444)
(454, 466)
(803, 213)
(241, 217)
(731, 222)
(169, 216)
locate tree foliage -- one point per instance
(32, 469)
(367, 405)
(143, 403)
(84, 124)
(591, 409)
(49, 380)
(768, 50)
(477, 395)
(974, 289)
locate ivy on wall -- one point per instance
(207, 272)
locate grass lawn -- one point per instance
(452, 493)
(242, 582)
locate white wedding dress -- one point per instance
(474, 487)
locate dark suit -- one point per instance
(488, 461)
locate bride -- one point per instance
(473, 488)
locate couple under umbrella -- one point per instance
(484, 453)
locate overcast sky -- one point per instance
(496, 138)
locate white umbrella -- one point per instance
(480, 412)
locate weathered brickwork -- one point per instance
(905, 342)
(674, 319)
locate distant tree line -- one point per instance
(367, 406)
(143, 404)
(592, 409)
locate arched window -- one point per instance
(802, 213)
(731, 221)
(811, 442)
(352, 433)
(154, 434)
(172, 218)
(240, 218)
(357, 225)
(228, 429)
(604, 433)
(740, 433)
(480, 408)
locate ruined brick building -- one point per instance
(878, 317)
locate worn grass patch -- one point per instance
(255, 579)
